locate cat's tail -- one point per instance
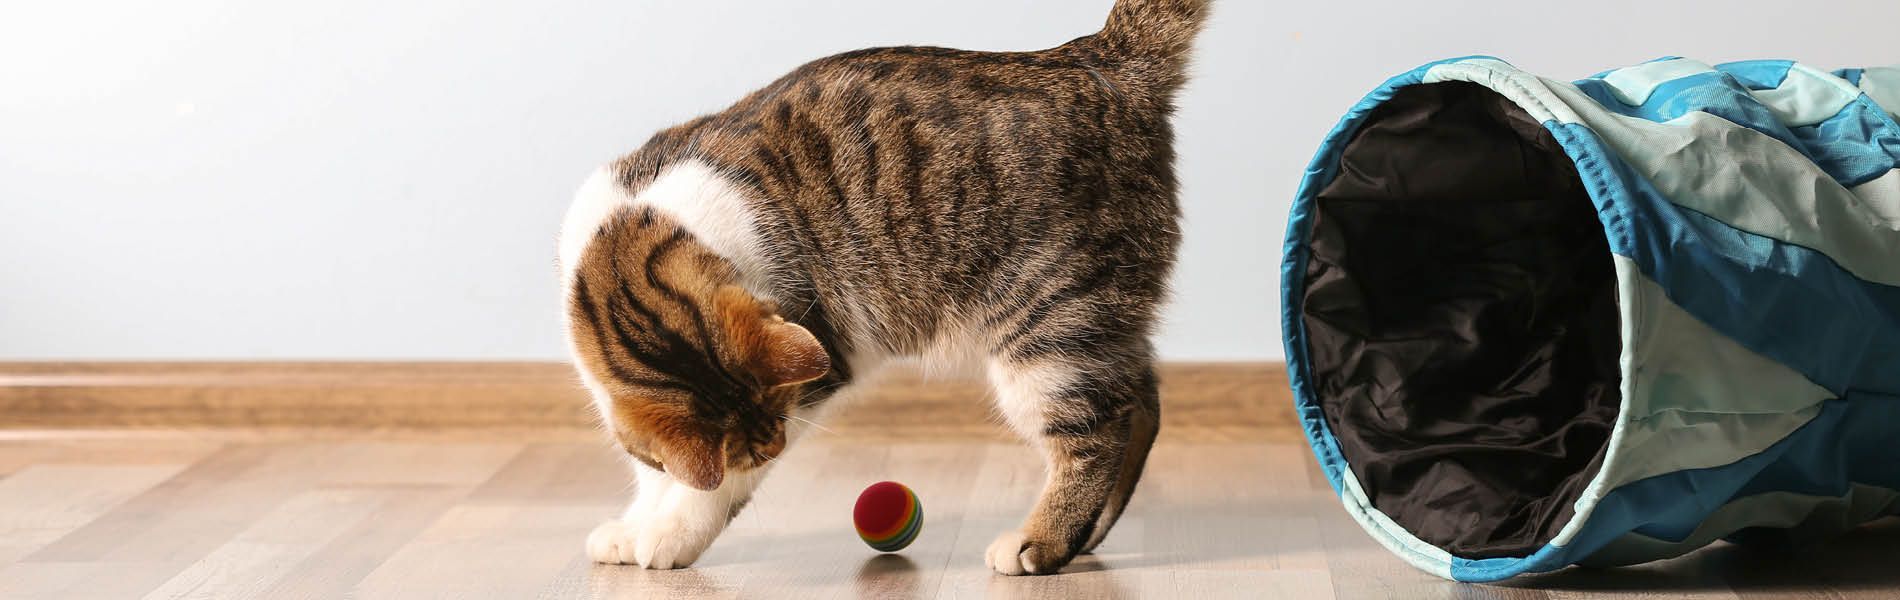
(1153, 37)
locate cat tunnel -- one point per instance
(1532, 323)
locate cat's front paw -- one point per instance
(662, 544)
(1015, 554)
(611, 543)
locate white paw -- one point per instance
(1016, 554)
(1005, 554)
(662, 544)
(669, 543)
(611, 543)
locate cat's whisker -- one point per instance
(768, 462)
(808, 307)
(812, 423)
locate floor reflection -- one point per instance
(887, 576)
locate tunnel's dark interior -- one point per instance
(1460, 310)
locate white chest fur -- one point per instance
(707, 204)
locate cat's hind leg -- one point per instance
(1094, 421)
(1143, 425)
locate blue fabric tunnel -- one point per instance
(1532, 323)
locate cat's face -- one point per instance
(691, 373)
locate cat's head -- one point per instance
(692, 374)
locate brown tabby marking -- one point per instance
(1019, 206)
(696, 366)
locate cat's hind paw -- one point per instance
(1015, 554)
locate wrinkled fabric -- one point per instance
(1747, 208)
(1460, 307)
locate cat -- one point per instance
(732, 278)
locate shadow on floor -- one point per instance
(887, 576)
(1863, 559)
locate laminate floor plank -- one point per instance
(334, 515)
(43, 503)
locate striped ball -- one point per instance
(888, 516)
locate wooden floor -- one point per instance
(503, 515)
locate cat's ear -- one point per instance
(695, 459)
(776, 351)
(790, 354)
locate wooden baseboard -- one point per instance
(1202, 400)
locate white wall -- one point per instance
(363, 179)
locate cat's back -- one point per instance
(906, 183)
(884, 122)
(944, 94)
(967, 75)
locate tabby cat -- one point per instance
(730, 279)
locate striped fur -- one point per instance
(739, 269)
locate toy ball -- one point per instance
(888, 516)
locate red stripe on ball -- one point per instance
(882, 510)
